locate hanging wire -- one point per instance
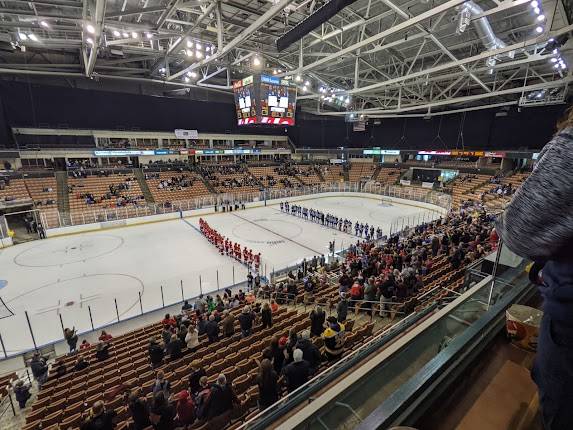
(461, 132)
(403, 140)
(438, 136)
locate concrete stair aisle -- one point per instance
(63, 194)
(208, 184)
(346, 175)
(376, 172)
(138, 173)
(319, 174)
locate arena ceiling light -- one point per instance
(22, 36)
(44, 24)
(33, 37)
(256, 61)
(125, 35)
(90, 28)
(116, 33)
(134, 35)
(149, 35)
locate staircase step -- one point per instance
(138, 173)
(63, 194)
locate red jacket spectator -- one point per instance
(104, 337)
(169, 321)
(356, 291)
(84, 345)
(185, 408)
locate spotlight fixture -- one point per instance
(189, 44)
(116, 33)
(198, 46)
(298, 78)
(198, 54)
(44, 24)
(125, 35)
(149, 35)
(186, 79)
(22, 36)
(189, 52)
(134, 35)
(90, 28)
(256, 61)
(306, 84)
(304, 88)
(539, 29)
(32, 37)
(541, 18)
(90, 41)
(193, 75)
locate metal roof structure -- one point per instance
(378, 58)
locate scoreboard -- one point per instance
(265, 99)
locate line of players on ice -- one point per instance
(229, 248)
(361, 230)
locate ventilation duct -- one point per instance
(483, 28)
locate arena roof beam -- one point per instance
(464, 61)
(399, 27)
(98, 18)
(263, 19)
(455, 100)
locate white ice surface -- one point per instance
(64, 275)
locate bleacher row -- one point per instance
(64, 401)
(472, 187)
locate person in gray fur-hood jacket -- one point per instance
(538, 224)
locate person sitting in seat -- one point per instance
(81, 364)
(104, 336)
(102, 351)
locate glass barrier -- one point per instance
(361, 398)
(53, 218)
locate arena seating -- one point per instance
(359, 171)
(43, 191)
(333, 173)
(65, 400)
(173, 193)
(14, 191)
(99, 187)
(270, 177)
(387, 175)
(230, 178)
(308, 175)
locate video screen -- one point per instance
(245, 101)
(278, 103)
(265, 100)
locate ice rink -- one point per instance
(66, 277)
